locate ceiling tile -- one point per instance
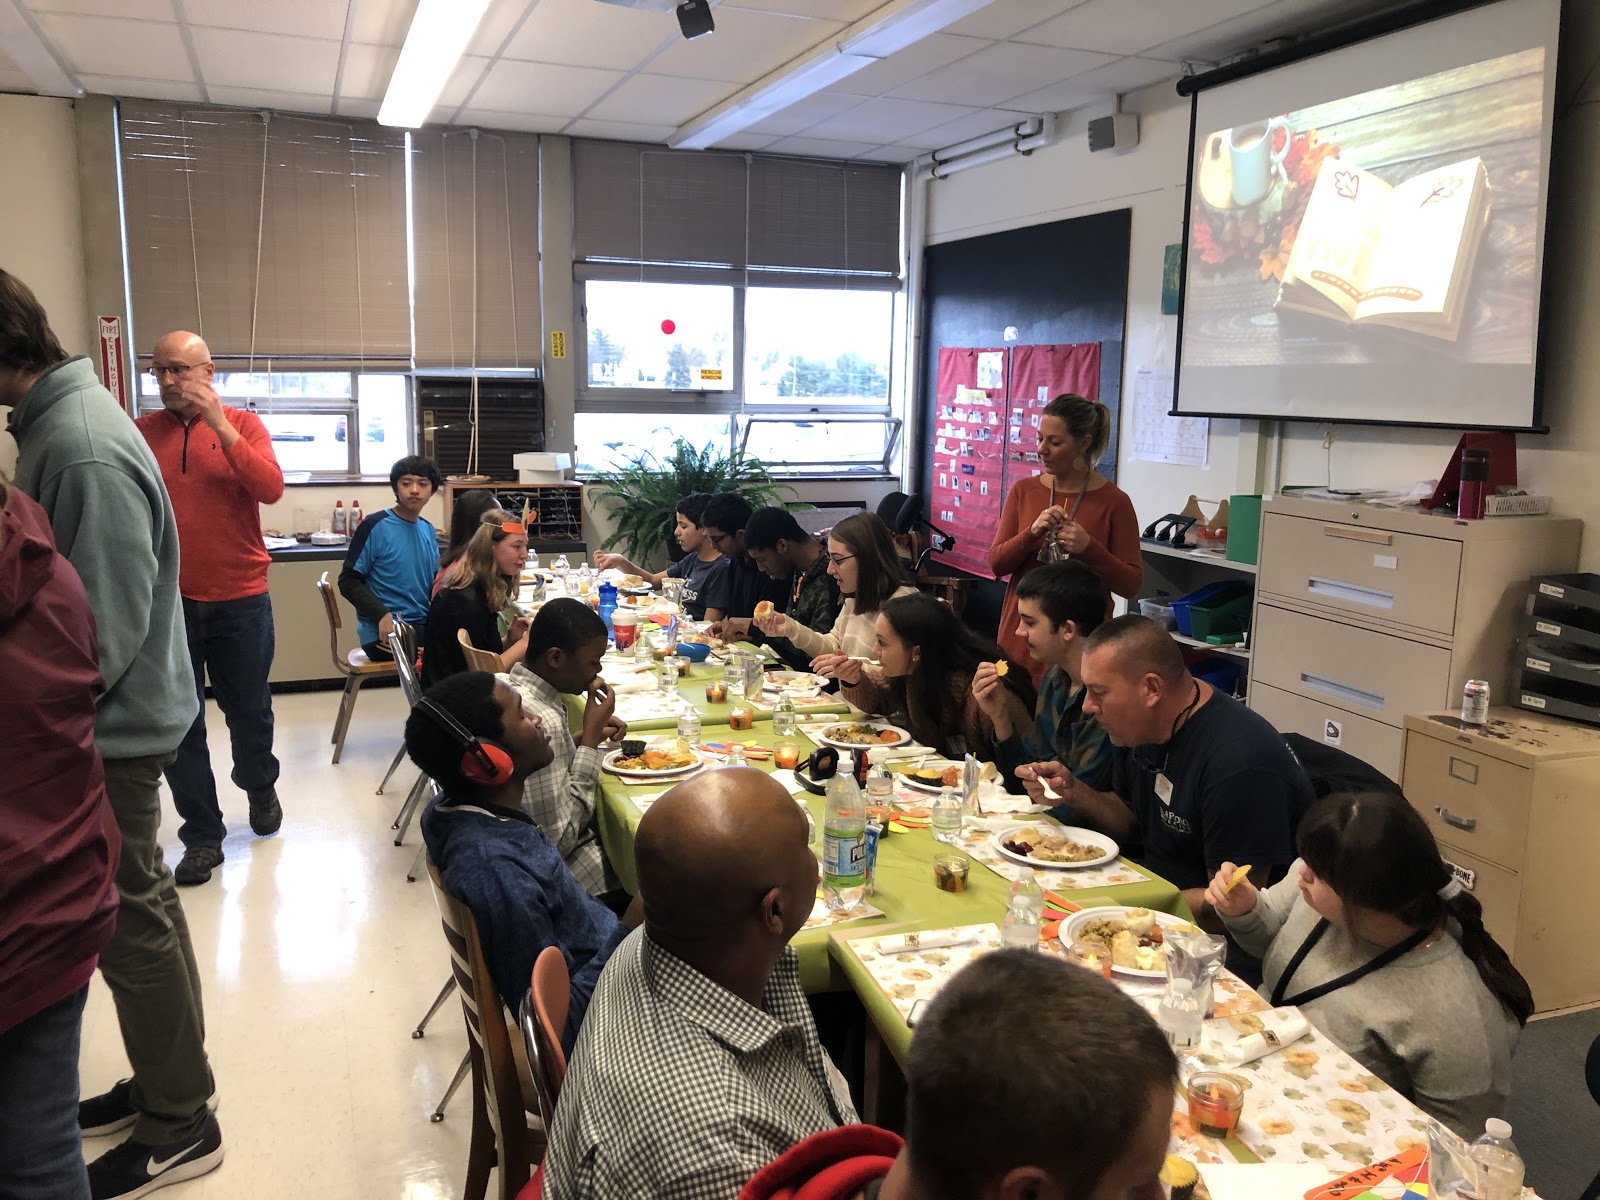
(462, 80)
(746, 46)
(1280, 19)
(1112, 26)
(109, 46)
(618, 131)
(139, 10)
(803, 114)
(16, 81)
(5, 63)
(382, 22)
(360, 108)
(301, 18)
(581, 33)
(1007, 18)
(885, 120)
(848, 11)
(1124, 75)
(516, 122)
(935, 50)
(1004, 70)
(291, 102)
(976, 124)
(366, 71)
(500, 21)
(543, 88)
(140, 89)
(267, 61)
(650, 98)
(890, 154)
(820, 147)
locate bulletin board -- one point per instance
(988, 401)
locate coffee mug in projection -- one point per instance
(1254, 160)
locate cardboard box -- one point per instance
(542, 466)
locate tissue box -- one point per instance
(541, 466)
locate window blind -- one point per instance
(475, 196)
(641, 212)
(279, 239)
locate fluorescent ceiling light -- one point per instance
(896, 26)
(26, 47)
(891, 28)
(440, 31)
(765, 97)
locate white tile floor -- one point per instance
(317, 959)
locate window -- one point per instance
(607, 441)
(675, 337)
(822, 444)
(818, 346)
(322, 423)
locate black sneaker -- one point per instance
(197, 864)
(131, 1169)
(112, 1111)
(266, 814)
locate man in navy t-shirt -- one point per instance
(1200, 779)
(393, 557)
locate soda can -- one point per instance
(1475, 702)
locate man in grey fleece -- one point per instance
(84, 461)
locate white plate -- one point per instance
(608, 763)
(1072, 833)
(794, 682)
(1069, 930)
(821, 735)
(932, 764)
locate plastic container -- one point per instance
(1500, 1168)
(1019, 930)
(1221, 673)
(1222, 607)
(608, 604)
(1158, 612)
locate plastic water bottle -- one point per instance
(736, 756)
(783, 717)
(1499, 1165)
(1024, 913)
(559, 569)
(946, 816)
(1179, 1015)
(608, 603)
(844, 845)
(532, 563)
(689, 726)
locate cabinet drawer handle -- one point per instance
(1466, 824)
(1349, 593)
(1356, 534)
(1349, 693)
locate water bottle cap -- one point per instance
(1496, 1128)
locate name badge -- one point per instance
(1164, 789)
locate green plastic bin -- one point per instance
(1244, 528)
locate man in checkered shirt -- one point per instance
(565, 645)
(698, 1062)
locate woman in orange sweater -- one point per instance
(1071, 511)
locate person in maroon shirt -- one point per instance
(58, 852)
(219, 468)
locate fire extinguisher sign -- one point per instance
(111, 368)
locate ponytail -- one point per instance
(1083, 418)
(1494, 965)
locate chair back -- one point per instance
(549, 998)
(1591, 1065)
(479, 660)
(404, 657)
(494, 1069)
(330, 605)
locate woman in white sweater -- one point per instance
(863, 561)
(1373, 939)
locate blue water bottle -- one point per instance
(608, 603)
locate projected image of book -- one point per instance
(1368, 253)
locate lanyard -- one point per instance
(1378, 963)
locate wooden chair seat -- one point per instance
(359, 661)
(479, 660)
(355, 666)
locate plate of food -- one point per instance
(930, 774)
(794, 682)
(662, 758)
(1043, 844)
(847, 735)
(1134, 937)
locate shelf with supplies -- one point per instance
(1233, 651)
(555, 510)
(1194, 554)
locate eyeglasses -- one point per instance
(839, 560)
(718, 538)
(176, 370)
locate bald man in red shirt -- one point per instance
(219, 468)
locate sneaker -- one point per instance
(266, 814)
(131, 1169)
(197, 864)
(112, 1111)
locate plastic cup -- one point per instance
(786, 756)
(625, 628)
(950, 871)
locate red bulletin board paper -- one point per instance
(966, 453)
(1038, 375)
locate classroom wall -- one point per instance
(1066, 180)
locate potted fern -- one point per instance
(642, 496)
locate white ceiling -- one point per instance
(589, 69)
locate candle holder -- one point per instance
(740, 717)
(717, 692)
(682, 664)
(786, 755)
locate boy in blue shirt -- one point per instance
(393, 557)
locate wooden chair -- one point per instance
(952, 589)
(479, 660)
(544, 1016)
(356, 667)
(500, 1132)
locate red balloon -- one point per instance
(669, 326)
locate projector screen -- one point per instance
(1365, 234)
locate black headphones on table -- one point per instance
(483, 762)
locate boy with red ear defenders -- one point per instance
(471, 736)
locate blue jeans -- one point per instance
(233, 640)
(41, 1152)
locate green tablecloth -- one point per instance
(692, 687)
(905, 889)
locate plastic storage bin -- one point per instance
(1158, 612)
(1218, 608)
(1221, 673)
